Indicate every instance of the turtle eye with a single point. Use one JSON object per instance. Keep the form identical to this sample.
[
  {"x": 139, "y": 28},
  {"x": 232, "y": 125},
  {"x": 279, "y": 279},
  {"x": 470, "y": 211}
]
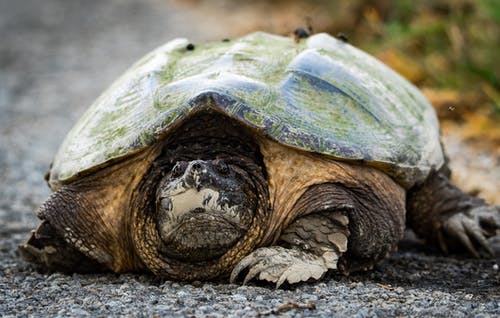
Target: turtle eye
[
  {"x": 178, "y": 169},
  {"x": 222, "y": 167}
]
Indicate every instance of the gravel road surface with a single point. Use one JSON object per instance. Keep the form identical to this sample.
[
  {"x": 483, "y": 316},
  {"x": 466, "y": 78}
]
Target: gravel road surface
[{"x": 56, "y": 56}]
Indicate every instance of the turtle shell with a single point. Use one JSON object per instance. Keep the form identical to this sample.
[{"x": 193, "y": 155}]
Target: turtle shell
[{"x": 320, "y": 95}]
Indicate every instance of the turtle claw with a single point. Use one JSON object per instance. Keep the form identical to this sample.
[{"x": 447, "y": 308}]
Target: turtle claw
[
  {"x": 259, "y": 257},
  {"x": 471, "y": 229},
  {"x": 277, "y": 264}
]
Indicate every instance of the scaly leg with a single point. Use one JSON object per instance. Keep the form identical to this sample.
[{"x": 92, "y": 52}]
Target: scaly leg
[
  {"x": 444, "y": 215},
  {"x": 307, "y": 249},
  {"x": 336, "y": 227}
]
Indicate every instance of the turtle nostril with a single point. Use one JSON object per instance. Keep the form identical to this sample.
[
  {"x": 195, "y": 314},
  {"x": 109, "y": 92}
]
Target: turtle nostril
[{"x": 196, "y": 166}]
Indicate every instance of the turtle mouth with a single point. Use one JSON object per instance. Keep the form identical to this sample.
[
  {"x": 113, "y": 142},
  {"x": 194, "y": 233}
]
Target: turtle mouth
[
  {"x": 203, "y": 217},
  {"x": 200, "y": 235}
]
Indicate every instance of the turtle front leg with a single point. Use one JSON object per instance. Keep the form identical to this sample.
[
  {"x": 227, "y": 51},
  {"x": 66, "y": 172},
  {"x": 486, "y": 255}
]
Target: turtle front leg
[
  {"x": 337, "y": 227},
  {"x": 307, "y": 249},
  {"x": 444, "y": 215}
]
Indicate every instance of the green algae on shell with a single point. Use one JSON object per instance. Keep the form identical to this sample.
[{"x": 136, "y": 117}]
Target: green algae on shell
[{"x": 319, "y": 95}]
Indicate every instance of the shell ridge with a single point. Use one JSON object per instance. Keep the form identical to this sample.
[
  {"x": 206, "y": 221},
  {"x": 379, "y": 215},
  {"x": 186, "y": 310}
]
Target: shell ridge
[{"x": 338, "y": 89}]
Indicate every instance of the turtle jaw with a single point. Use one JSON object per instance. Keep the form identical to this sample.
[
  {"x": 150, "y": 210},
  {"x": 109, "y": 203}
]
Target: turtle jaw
[{"x": 203, "y": 209}]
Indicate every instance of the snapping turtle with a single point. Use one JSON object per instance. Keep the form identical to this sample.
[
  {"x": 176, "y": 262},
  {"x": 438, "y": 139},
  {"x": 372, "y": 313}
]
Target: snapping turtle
[{"x": 279, "y": 158}]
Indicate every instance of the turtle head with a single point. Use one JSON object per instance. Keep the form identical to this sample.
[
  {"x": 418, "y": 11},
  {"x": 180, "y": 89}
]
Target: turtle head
[{"x": 203, "y": 208}]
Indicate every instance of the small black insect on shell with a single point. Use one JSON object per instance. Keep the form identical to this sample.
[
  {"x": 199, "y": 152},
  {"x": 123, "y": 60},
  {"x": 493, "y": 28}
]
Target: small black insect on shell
[
  {"x": 301, "y": 33},
  {"x": 343, "y": 37},
  {"x": 190, "y": 47}
]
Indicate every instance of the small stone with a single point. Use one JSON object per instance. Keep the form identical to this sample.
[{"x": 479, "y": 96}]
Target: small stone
[
  {"x": 162, "y": 308},
  {"x": 310, "y": 297},
  {"x": 79, "y": 312},
  {"x": 399, "y": 290},
  {"x": 239, "y": 298},
  {"x": 176, "y": 285}
]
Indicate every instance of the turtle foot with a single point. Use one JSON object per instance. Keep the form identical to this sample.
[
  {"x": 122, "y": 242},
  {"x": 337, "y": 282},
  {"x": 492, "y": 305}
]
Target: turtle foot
[
  {"x": 277, "y": 264},
  {"x": 471, "y": 229}
]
